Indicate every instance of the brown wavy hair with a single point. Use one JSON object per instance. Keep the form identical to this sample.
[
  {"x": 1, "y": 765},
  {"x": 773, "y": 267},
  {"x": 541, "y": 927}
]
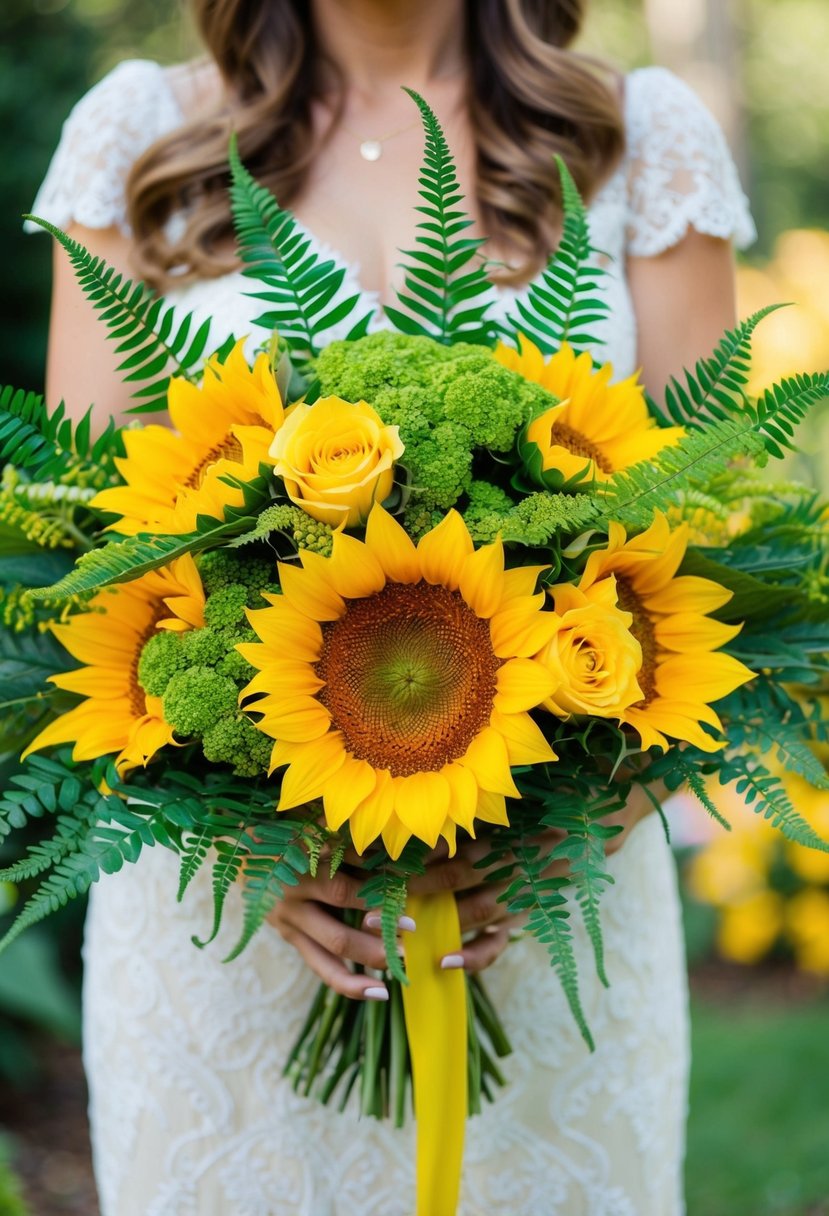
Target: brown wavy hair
[{"x": 528, "y": 97}]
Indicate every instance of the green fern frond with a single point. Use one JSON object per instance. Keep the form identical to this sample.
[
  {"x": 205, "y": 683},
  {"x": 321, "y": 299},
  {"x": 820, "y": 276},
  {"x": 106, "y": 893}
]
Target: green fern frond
[
  {"x": 548, "y": 919},
  {"x": 154, "y": 343},
  {"x": 386, "y": 889},
  {"x": 561, "y": 304},
  {"x": 715, "y": 390},
  {"x": 195, "y": 847},
  {"x": 70, "y": 831},
  {"x": 692, "y": 776},
  {"x": 48, "y": 445},
  {"x": 632, "y": 495},
  {"x": 278, "y": 858},
  {"x": 231, "y": 856},
  {"x": 766, "y": 795},
  {"x": 443, "y": 296},
  {"x": 121, "y": 561},
  {"x": 781, "y": 408},
  {"x": 300, "y": 285}
]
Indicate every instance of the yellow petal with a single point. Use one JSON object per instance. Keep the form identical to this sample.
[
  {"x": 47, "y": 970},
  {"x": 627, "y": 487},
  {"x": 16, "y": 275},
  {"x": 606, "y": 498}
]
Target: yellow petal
[
  {"x": 463, "y": 795},
  {"x": 492, "y": 808},
  {"x": 520, "y": 630},
  {"x": 487, "y": 759},
  {"x": 687, "y": 593},
  {"x": 688, "y": 631},
  {"x": 294, "y": 719},
  {"x": 481, "y": 580},
  {"x": 524, "y": 738},
  {"x": 310, "y": 592},
  {"x": 355, "y": 571},
  {"x": 523, "y": 684},
  {"x": 289, "y": 633},
  {"x": 443, "y": 551},
  {"x": 701, "y": 677},
  {"x": 310, "y": 768},
  {"x": 355, "y": 781},
  {"x": 521, "y": 581},
  {"x": 395, "y": 835},
  {"x": 369, "y": 819},
  {"x": 449, "y": 832},
  {"x": 421, "y": 802},
  {"x": 393, "y": 547}
]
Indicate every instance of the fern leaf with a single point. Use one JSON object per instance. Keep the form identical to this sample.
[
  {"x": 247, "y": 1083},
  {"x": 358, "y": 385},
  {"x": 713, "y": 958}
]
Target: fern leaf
[
  {"x": 548, "y": 919},
  {"x": 766, "y": 795},
  {"x": 47, "y": 445},
  {"x": 156, "y": 345},
  {"x": 231, "y": 856},
  {"x": 632, "y": 495},
  {"x": 121, "y": 561},
  {"x": 193, "y": 856},
  {"x": 300, "y": 285},
  {"x": 446, "y": 293},
  {"x": 783, "y": 407},
  {"x": 278, "y": 858},
  {"x": 715, "y": 390},
  {"x": 386, "y": 890},
  {"x": 562, "y": 304}
]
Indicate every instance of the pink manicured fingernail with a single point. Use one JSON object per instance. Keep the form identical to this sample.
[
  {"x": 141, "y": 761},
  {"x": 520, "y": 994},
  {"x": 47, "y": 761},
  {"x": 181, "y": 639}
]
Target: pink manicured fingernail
[
  {"x": 451, "y": 962},
  {"x": 373, "y": 921},
  {"x": 376, "y": 994}
]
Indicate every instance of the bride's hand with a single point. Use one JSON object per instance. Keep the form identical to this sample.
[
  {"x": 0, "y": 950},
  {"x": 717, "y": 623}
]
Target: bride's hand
[
  {"x": 478, "y": 906},
  {"x": 304, "y": 918}
]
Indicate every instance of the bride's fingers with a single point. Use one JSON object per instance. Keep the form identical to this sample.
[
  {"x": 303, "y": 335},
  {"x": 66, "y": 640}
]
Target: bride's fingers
[
  {"x": 481, "y": 952},
  {"x": 457, "y": 873},
  {"x": 332, "y": 970},
  {"x": 341, "y": 891},
  {"x": 336, "y": 937}
]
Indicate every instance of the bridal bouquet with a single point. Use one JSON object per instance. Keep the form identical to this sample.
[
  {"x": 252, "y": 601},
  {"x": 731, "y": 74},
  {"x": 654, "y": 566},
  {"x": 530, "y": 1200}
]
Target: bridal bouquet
[{"x": 364, "y": 594}]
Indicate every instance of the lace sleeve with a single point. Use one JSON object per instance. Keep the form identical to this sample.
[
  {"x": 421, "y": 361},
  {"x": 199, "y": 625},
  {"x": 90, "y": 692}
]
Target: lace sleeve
[
  {"x": 680, "y": 171},
  {"x": 108, "y": 129}
]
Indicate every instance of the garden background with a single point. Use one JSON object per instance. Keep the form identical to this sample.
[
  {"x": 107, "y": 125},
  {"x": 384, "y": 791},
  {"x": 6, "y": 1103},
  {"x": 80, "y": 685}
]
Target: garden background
[{"x": 759, "y": 1125}]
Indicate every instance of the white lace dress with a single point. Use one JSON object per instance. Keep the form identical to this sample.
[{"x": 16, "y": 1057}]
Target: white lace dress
[{"x": 190, "y": 1114}]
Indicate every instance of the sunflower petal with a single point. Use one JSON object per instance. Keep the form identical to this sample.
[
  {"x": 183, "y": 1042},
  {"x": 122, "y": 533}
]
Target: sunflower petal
[
  {"x": 443, "y": 551},
  {"x": 310, "y": 592},
  {"x": 393, "y": 547},
  {"x": 523, "y": 684},
  {"x": 369, "y": 819},
  {"x": 421, "y": 802},
  {"x": 309, "y": 769},
  {"x": 355, "y": 782},
  {"x": 487, "y": 759}
]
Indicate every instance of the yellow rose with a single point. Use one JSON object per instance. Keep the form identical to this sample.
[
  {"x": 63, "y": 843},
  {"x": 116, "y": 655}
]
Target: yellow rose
[
  {"x": 593, "y": 655},
  {"x": 336, "y": 459}
]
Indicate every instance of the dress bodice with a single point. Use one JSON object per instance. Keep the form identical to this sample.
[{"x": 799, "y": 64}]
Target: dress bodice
[{"x": 677, "y": 172}]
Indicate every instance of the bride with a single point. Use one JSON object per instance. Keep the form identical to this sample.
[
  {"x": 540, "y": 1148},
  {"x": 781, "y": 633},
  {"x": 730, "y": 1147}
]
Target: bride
[{"x": 190, "y": 1114}]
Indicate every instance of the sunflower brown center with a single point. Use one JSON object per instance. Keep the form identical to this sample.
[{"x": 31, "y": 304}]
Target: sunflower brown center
[
  {"x": 643, "y": 630},
  {"x": 410, "y": 677},
  {"x": 566, "y": 437},
  {"x": 229, "y": 449},
  {"x": 137, "y": 695}
]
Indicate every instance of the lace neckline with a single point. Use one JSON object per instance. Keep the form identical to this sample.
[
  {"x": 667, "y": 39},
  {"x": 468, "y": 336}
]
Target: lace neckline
[{"x": 500, "y": 294}]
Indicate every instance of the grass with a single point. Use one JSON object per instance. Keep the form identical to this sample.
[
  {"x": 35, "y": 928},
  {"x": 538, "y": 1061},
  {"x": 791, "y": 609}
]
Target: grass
[{"x": 758, "y": 1139}]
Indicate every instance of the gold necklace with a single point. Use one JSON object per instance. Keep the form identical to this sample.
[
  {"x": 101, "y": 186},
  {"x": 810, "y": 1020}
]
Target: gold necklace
[{"x": 372, "y": 149}]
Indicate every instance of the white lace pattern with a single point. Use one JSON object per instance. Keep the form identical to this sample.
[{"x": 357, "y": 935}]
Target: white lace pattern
[{"x": 190, "y": 1114}]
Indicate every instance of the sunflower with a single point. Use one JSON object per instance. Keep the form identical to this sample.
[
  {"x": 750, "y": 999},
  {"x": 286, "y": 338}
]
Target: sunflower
[
  {"x": 222, "y": 428},
  {"x": 397, "y": 679},
  {"x": 116, "y": 714},
  {"x": 681, "y": 672},
  {"x": 597, "y": 428}
]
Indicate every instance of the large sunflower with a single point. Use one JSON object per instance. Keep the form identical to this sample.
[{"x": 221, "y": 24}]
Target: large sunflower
[
  {"x": 598, "y": 427},
  {"x": 396, "y": 680},
  {"x": 116, "y": 714},
  {"x": 681, "y": 672},
  {"x": 222, "y": 428}
]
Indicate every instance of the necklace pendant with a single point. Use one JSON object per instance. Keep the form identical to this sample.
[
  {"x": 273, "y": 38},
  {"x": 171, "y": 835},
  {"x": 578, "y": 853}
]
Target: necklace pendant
[{"x": 371, "y": 149}]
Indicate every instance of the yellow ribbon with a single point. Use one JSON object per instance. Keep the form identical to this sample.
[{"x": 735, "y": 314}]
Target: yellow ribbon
[{"x": 434, "y": 1002}]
